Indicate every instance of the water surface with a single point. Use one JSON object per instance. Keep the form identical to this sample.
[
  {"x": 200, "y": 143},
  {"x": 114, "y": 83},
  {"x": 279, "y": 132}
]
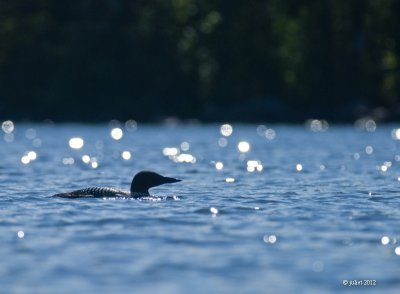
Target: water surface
[{"x": 300, "y": 211}]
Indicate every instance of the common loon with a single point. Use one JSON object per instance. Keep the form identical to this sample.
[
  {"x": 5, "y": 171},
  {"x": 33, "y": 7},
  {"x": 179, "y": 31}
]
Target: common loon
[{"x": 140, "y": 186}]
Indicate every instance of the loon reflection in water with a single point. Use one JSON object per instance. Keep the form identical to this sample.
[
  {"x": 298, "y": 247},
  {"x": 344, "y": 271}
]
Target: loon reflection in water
[{"x": 140, "y": 186}]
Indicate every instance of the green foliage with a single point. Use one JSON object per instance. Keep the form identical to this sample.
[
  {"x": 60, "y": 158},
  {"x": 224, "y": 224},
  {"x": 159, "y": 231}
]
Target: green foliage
[{"x": 212, "y": 59}]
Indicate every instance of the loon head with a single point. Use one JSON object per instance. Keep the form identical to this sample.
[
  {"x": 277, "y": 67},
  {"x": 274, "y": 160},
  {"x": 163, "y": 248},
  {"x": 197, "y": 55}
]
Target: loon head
[{"x": 145, "y": 180}]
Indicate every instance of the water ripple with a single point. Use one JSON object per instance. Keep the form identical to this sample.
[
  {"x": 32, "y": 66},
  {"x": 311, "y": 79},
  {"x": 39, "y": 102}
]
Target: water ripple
[{"x": 281, "y": 227}]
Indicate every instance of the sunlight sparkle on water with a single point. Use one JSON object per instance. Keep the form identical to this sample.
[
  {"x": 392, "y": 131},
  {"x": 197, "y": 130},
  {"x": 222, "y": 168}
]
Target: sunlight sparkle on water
[
  {"x": 21, "y": 234},
  {"x": 299, "y": 167},
  {"x": 370, "y": 125},
  {"x": 230, "y": 180},
  {"x": 317, "y": 125},
  {"x": 369, "y": 150},
  {"x": 226, "y": 130},
  {"x": 25, "y": 159},
  {"x": 76, "y": 143},
  {"x": 8, "y": 126},
  {"x": 385, "y": 166},
  {"x": 222, "y": 142},
  {"x": 68, "y": 161},
  {"x": 396, "y": 134},
  {"x": 185, "y": 157},
  {"x": 254, "y": 165},
  {"x": 170, "y": 151},
  {"x": 365, "y": 124},
  {"x": 219, "y": 165},
  {"x": 126, "y": 155},
  {"x": 174, "y": 154},
  {"x": 397, "y": 250},
  {"x": 385, "y": 240},
  {"x": 243, "y": 146},
  {"x": 185, "y": 146},
  {"x": 86, "y": 158},
  {"x": 32, "y": 155},
  {"x": 270, "y": 239},
  {"x": 270, "y": 134},
  {"x": 117, "y": 133},
  {"x": 213, "y": 210},
  {"x": 131, "y": 125},
  {"x": 28, "y": 157}
]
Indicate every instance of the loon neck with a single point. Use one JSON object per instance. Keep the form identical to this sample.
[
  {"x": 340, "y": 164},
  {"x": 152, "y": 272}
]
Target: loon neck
[
  {"x": 143, "y": 192},
  {"x": 139, "y": 194}
]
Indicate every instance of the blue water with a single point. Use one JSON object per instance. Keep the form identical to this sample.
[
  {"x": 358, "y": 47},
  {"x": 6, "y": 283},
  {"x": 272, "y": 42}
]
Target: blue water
[{"x": 323, "y": 208}]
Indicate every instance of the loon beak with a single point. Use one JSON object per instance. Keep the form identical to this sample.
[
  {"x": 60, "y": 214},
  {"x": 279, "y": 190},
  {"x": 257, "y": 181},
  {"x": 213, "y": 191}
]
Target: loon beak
[{"x": 170, "y": 180}]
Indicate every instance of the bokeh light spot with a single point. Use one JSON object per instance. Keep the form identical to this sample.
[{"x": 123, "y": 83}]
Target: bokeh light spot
[
  {"x": 68, "y": 161},
  {"x": 126, "y": 155},
  {"x": 25, "y": 159},
  {"x": 396, "y": 134},
  {"x": 76, "y": 143},
  {"x": 270, "y": 239},
  {"x": 222, "y": 142},
  {"x": 219, "y": 165},
  {"x": 243, "y": 146},
  {"x": 213, "y": 210},
  {"x": 131, "y": 125},
  {"x": 270, "y": 134},
  {"x": 185, "y": 157},
  {"x": 369, "y": 150},
  {"x": 317, "y": 125},
  {"x": 32, "y": 155},
  {"x": 170, "y": 151},
  {"x": 185, "y": 146},
  {"x": 117, "y": 133},
  {"x": 86, "y": 158},
  {"x": 385, "y": 240},
  {"x": 254, "y": 165},
  {"x": 226, "y": 130},
  {"x": 7, "y": 126}
]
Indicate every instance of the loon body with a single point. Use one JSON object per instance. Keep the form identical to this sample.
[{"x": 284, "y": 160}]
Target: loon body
[{"x": 140, "y": 186}]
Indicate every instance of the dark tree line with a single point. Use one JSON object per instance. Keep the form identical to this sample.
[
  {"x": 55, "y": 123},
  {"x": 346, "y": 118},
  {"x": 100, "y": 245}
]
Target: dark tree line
[{"x": 268, "y": 60}]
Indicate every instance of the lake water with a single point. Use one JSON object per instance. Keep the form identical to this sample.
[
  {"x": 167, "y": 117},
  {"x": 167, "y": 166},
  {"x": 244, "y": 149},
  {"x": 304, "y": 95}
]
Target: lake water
[{"x": 300, "y": 211}]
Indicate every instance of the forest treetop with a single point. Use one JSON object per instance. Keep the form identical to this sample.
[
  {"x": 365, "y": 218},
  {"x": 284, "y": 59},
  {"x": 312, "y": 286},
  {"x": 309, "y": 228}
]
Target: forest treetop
[{"x": 213, "y": 59}]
